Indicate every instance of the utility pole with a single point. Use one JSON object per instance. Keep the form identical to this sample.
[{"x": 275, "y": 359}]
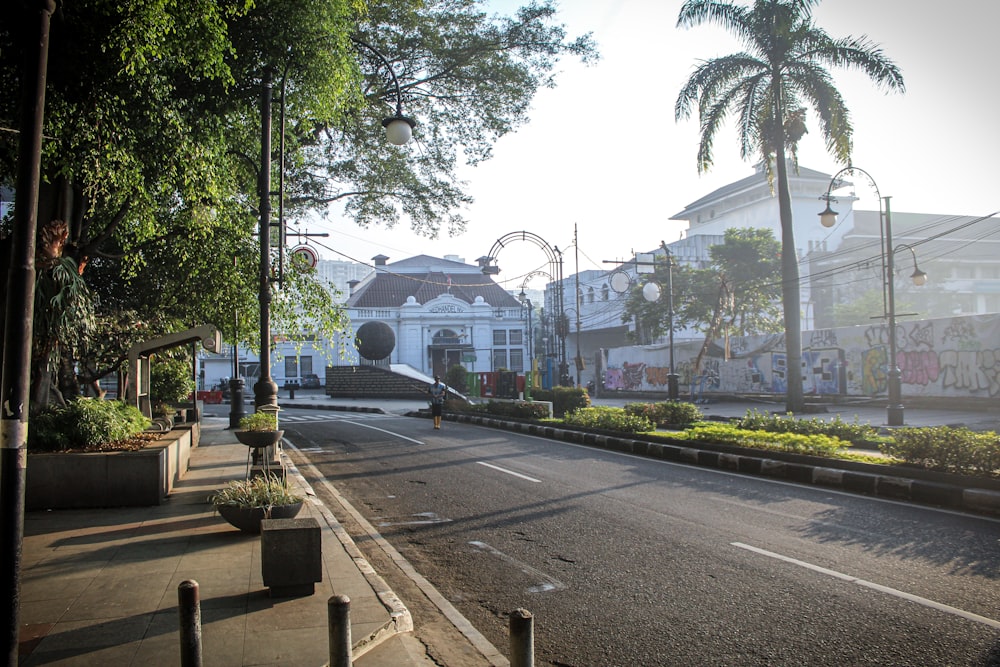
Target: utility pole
[
  {"x": 579, "y": 351},
  {"x": 14, "y": 390}
]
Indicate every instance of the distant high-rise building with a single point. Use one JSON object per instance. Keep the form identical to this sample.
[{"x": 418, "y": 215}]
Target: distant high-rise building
[{"x": 338, "y": 273}]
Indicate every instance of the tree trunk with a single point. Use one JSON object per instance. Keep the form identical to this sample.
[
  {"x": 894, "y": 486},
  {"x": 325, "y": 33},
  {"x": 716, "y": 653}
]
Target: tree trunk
[{"x": 790, "y": 293}]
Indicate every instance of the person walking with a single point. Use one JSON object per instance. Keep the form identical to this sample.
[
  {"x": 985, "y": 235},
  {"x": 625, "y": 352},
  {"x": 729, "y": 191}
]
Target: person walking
[{"x": 438, "y": 390}]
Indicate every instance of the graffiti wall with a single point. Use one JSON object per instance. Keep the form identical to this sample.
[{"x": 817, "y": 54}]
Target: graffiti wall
[{"x": 958, "y": 357}]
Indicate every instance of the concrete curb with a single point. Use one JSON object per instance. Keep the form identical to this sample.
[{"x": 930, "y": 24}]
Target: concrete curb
[
  {"x": 879, "y": 483},
  {"x": 400, "y": 620}
]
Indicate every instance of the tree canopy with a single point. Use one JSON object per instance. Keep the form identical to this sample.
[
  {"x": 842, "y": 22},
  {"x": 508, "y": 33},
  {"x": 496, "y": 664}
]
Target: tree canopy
[
  {"x": 153, "y": 135},
  {"x": 738, "y": 291}
]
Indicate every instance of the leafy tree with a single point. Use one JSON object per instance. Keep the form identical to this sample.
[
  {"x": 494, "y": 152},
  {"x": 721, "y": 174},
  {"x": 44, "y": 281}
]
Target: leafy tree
[
  {"x": 153, "y": 141},
  {"x": 738, "y": 291},
  {"x": 767, "y": 87},
  {"x": 865, "y": 308}
]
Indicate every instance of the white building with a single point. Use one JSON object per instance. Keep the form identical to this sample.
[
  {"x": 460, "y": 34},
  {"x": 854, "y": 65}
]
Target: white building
[
  {"x": 442, "y": 312},
  {"x": 749, "y": 202}
]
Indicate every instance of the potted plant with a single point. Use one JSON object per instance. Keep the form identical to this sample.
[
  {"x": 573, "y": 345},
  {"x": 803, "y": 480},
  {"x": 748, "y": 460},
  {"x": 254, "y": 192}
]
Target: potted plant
[
  {"x": 259, "y": 430},
  {"x": 247, "y": 502}
]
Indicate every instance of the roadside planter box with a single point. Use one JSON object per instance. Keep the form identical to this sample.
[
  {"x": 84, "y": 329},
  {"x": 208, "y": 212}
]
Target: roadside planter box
[{"x": 58, "y": 480}]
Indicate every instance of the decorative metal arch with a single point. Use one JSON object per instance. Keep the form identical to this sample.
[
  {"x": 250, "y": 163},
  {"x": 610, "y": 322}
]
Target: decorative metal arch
[{"x": 555, "y": 273}]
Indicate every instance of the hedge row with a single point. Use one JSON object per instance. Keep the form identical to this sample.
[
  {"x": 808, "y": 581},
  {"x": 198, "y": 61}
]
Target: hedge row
[
  {"x": 609, "y": 419},
  {"x": 667, "y": 414},
  {"x": 855, "y": 432},
  {"x": 956, "y": 450},
  {"x": 798, "y": 443}
]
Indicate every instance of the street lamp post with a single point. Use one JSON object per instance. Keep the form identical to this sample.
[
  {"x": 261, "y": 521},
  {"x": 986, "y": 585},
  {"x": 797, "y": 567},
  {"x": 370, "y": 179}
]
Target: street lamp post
[
  {"x": 828, "y": 218},
  {"x": 399, "y": 129},
  {"x": 672, "y": 384}
]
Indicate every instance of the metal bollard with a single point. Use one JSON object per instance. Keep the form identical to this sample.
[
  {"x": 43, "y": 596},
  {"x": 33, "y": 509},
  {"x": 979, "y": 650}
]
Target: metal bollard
[
  {"x": 522, "y": 639},
  {"x": 236, "y": 408},
  {"x": 189, "y": 609},
  {"x": 339, "y": 627}
]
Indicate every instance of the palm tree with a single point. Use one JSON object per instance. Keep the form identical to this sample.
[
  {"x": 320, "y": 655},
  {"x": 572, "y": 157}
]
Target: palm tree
[{"x": 767, "y": 87}]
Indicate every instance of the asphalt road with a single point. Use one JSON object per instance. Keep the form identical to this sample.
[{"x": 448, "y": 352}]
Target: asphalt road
[{"x": 629, "y": 561}]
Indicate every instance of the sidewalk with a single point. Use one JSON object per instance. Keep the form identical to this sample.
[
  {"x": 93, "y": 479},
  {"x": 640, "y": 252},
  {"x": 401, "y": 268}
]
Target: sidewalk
[{"x": 99, "y": 587}]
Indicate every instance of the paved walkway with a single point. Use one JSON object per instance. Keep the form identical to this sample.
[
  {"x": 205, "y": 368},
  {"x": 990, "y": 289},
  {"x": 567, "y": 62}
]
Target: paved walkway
[{"x": 99, "y": 587}]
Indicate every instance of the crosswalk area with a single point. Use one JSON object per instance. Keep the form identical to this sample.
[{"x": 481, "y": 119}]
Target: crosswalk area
[{"x": 330, "y": 416}]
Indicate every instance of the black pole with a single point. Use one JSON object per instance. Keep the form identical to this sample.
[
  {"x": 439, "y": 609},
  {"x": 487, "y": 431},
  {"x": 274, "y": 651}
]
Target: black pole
[
  {"x": 236, "y": 408},
  {"x": 563, "y": 323},
  {"x": 672, "y": 385},
  {"x": 265, "y": 391},
  {"x": 15, "y": 388},
  {"x": 894, "y": 411}
]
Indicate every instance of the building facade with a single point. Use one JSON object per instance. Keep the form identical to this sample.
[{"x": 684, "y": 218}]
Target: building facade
[{"x": 442, "y": 312}]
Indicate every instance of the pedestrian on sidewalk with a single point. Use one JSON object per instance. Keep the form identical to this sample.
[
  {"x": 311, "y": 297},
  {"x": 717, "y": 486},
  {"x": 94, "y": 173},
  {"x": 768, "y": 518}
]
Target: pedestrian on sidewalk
[{"x": 437, "y": 392}]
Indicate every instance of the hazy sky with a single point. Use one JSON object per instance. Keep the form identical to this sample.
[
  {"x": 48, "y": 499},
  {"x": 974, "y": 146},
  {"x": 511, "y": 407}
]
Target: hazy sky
[{"x": 603, "y": 151}]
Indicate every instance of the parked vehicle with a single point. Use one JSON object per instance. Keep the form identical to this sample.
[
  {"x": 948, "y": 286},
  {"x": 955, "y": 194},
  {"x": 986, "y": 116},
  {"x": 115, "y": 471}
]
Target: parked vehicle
[{"x": 310, "y": 381}]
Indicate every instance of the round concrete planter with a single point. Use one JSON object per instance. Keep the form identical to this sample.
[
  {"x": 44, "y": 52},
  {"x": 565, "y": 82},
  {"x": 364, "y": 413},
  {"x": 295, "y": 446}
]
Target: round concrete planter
[{"x": 248, "y": 519}]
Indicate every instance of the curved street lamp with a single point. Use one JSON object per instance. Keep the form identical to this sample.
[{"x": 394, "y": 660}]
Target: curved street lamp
[
  {"x": 828, "y": 218},
  {"x": 651, "y": 292},
  {"x": 398, "y": 131}
]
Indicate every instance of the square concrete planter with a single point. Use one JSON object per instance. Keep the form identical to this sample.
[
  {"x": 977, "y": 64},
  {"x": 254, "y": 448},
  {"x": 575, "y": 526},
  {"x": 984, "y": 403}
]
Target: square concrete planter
[{"x": 110, "y": 479}]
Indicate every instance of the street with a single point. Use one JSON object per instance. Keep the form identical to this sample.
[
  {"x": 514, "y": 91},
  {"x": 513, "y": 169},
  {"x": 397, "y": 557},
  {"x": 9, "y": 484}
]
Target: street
[{"x": 629, "y": 561}]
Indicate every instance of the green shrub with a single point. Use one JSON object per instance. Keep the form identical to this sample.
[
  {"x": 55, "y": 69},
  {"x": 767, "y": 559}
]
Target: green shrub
[
  {"x": 563, "y": 399},
  {"x": 259, "y": 421},
  {"x": 518, "y": 409},
  {"x": 854, "y": 432},
  {"x": 457, "y": 378},
  {"x": 461, "y": 405},
  {"x": 608, "y": 419},
  {"x": 816, "y": 445},
  {"x": 170, "y": 381},
  {"x": 956, "y": 450},
  {"x": 667, "y": 413},
  {"x": 84, "y": 423},
  {"x": 261, "y": 491}
]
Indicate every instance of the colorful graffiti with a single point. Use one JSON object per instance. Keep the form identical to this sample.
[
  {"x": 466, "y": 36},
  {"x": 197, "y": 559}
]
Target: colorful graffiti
[{"x": 949, "y": 357}]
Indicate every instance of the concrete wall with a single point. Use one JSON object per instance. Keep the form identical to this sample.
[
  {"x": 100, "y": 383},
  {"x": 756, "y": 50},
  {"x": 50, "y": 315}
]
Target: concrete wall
[{"x": 956, "y": 357}]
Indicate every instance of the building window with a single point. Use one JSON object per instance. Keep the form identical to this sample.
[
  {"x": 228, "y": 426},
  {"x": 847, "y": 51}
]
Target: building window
[
  {"x": 499, "y": 359},
  {"x": 590, "y": 294},
  {"x": 291, "y": 367},
  {"x": 499, "y": 336},
  {"x": 517, "y": 360},
  {"x": 605, "y": 292},
  {"x": 306, "y": 365},
  {"x": 446, "y": 337},
  {"x": 516, "y": 337}
]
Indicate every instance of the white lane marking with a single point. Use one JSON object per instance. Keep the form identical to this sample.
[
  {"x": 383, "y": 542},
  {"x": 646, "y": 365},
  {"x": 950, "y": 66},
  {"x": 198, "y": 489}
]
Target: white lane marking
[
  {"x": 426, "y": 518},
  {"x": 353, "y": 416},
  {"x": 546, "y": 583},
  {"x": 968, "y": 615},
  {"x": 483, "y": 645},
  {"x": 382, "y": 430},
  {"x": 509, "y": 472}
]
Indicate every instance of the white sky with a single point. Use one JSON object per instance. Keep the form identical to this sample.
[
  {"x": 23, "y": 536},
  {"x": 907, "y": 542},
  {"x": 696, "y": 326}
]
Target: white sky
[{"x": 603, "y": 151}]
